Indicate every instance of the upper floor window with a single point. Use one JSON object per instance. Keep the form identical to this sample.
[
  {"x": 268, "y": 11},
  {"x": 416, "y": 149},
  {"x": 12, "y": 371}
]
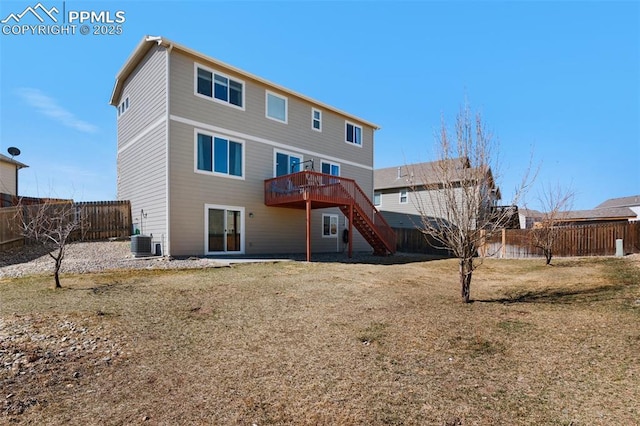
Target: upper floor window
[
  {"x": 219, "y": 155},
  {"x": 404, "y": 196},
  {"x": 123, "y": 107},
  {"x": 276, "y": 107},
  {"x": 377, "y": 198},
  {"x": 353, "y": 134},
  {"x": 316, "y": 119},
  {"x": 219, "y": 87}
]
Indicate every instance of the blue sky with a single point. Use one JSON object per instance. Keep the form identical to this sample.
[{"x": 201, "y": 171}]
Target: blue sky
[{"x": 561, "y": 79}]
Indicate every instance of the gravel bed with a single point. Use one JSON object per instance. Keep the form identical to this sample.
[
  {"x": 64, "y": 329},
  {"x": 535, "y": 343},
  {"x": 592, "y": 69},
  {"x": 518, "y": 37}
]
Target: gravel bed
[
  {"x": 85, "y": 257},
  {"x": 96, "y": 256}
]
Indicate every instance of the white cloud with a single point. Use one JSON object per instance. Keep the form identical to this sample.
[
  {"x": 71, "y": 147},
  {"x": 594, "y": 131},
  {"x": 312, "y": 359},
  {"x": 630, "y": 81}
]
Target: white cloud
[{"x": 49, "y": 107}]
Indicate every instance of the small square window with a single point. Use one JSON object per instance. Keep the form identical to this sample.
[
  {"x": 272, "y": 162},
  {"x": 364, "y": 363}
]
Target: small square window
[
  {"x": 276, "y": 107},
  {"x": 404, "y": 196},
  {"x": 377, "y": 198}
]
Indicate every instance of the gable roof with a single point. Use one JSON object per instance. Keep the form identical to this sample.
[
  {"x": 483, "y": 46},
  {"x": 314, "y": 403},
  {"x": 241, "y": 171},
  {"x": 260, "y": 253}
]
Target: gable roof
[
  {"x": 427, "y": 173},
  {"x": 632, "y": 201},
  {"x": 6, "y": 159},
  {"x": 148, "y": 42},
  {"x": 409, "y": 174}
]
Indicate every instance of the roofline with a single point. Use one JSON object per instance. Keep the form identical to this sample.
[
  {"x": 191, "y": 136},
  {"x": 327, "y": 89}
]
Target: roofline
[
  {"x": 398, "y": 183},
  {"x": 12, "y": 161},
  {"x": 145, "y": 44},
  {"x": 596, "y": 218}
]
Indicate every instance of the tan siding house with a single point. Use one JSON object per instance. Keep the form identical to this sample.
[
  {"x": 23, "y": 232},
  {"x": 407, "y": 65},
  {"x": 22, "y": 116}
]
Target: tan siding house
[
  {"x": 197, "y": 138},
  {"x": 9, "y": 175}
]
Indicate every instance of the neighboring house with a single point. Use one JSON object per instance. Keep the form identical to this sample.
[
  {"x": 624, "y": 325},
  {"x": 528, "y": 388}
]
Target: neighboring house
[
  {"x": 615, "y": 210},
  {"x": 9, "y": 175},
  {"x": 200, "y": 141},
  {"x": 601, "y": 215},
  {"x": 402, "y": 194}
]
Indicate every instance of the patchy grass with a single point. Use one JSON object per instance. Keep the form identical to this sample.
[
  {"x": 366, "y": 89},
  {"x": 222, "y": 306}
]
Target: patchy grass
[{"x": 326, "y": 343}]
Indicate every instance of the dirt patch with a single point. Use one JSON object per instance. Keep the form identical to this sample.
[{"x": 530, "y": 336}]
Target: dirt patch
[{"x": 43, "y": 357}]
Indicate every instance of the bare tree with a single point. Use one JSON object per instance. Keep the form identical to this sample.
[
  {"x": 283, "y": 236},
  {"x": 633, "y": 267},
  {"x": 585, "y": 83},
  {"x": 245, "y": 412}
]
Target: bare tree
[
  {"x": 51, "y": 224},
  {"x": 555, "y": 201},
  {"x": 456, "y": 196}
]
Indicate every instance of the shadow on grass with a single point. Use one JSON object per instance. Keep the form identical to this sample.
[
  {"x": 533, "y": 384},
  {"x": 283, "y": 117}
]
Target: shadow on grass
[
  {"x": 342, "y": 257},
  {"x": 561, "y": 295}
]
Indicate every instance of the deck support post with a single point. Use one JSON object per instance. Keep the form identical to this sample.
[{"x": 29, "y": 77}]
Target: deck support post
[
  {"x": 350, "y": 230},
  {"x": 308, "y": 203}
]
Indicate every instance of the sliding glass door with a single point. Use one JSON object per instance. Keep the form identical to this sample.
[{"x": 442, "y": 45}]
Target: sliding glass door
[{"x": 224, "y": 229}]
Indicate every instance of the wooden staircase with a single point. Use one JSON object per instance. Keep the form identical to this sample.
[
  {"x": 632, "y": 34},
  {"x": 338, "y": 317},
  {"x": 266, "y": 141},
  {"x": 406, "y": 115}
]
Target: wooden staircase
[
  {"x": 370, "y": 233},
  {"x": 321, "y": 190}
]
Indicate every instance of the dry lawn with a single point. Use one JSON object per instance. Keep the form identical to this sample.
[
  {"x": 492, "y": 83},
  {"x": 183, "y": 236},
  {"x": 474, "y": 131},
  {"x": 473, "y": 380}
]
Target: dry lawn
[{"x": 326, "y": 344}]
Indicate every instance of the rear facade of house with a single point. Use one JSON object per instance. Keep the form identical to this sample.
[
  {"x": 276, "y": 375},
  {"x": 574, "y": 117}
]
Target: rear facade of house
[{"x": 197, "y": 139}]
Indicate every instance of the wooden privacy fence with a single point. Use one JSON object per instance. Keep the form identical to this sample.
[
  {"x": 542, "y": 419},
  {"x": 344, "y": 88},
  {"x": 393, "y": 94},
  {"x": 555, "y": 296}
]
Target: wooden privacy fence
[
  {"x": 103, "y": 219},
  {"x": 412, "y": 240},
  {"x": 583, "y": 240},
  {"x": 9, "y": 230}
]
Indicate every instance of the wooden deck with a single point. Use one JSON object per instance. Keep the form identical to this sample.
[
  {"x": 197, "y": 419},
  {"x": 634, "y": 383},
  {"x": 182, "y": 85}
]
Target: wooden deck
[{"x": 312, "y": 190}]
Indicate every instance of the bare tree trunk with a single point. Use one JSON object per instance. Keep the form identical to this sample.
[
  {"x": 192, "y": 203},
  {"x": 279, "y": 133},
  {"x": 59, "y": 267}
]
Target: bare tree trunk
[
  {"x": 466, "y": 270},
  {"x": 58, "y": 264},
  {"x": 548, "y": 253},
  {"x": 56, "y": 276}
]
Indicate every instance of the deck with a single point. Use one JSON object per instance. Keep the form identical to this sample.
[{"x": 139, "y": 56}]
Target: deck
[{"x": 312, "y": 190}]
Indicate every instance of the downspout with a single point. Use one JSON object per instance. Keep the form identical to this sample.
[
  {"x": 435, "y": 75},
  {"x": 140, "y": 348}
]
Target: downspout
[{"x": 167, "y": 153}]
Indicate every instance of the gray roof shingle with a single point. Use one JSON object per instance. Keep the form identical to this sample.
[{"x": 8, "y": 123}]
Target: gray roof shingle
[
  {"x": 418, "y": 173},
  {"x": 631, "y": 201}
]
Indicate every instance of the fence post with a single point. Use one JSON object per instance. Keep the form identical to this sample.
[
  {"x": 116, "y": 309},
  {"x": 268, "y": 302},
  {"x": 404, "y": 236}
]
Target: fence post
[
  {"x": 483, "y": 243},
  {"x": 503, "y": 249}
]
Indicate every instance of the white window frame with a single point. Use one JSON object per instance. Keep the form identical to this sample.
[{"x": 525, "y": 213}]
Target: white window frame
[
  {"x": 287, "y": 153},
  {"x": 213, "y": 89},
  {"x": 266, "y": 106},
  {"x": 349, "y": 123},
  {"x": 123, "y": 107},
  {"x": 331, "y": 217},
  {"x": 196, "y": 132},
  {"x": 331, "y": 163},
  {"x": 319, "y": 120},
  {"x": 405, "y": 196},
  {"x": 379, "y": 194}
]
